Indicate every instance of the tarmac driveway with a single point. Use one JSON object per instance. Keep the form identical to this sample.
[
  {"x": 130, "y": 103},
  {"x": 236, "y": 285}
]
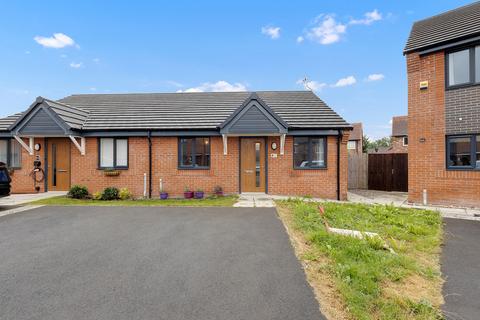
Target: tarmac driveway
[
  {"x": 150, "y": 263},
  {"x": 460, "y": 268}
]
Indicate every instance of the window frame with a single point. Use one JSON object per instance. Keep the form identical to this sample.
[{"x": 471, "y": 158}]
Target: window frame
[
  {"x": 473, "y": 152},
  {"x": 9, "y": 154},
  {"x": 115, "y": 167},
  {"x": 472, "y": 80},
  {"x": 194, "y": 146},
  {"x": 354, "y": 144},
  {"x": 403, "y": 141},
  {"x": 309, "y": 153}
]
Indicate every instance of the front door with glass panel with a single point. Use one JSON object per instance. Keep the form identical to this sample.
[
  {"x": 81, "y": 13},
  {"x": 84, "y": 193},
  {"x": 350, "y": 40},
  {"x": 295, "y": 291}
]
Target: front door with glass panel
[
  {"x": 58, "y": 164},
  {"x": 252, "y": 164}
]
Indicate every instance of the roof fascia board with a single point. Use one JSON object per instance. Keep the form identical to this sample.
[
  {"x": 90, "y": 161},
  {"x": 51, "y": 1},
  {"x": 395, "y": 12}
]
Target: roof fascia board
[
  {"x": 445, "y": 46},
  {"x": 154, "y": 133}
]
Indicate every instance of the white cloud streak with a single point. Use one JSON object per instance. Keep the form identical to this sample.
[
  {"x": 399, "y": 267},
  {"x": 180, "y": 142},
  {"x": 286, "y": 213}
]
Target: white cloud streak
[
  {"x": 312, "y": 85},
  {"x": 57, "y": 41},
  {"x": 326, "y": 30},
  {"x": 76, "y": 65},
  {"x": 368, "y": 18},
  {"x": 219, "y": 86},
  {"x": 375, "y": 77},
  {"x": 272, "y": 32},
  {"x": 344, "y": 82}
]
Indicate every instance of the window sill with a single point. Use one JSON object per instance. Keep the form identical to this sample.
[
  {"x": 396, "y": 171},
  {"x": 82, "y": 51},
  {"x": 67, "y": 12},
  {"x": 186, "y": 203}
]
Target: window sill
[
  {"x": 316, "y": 168},
  {"x": 462, "y": 86},
  {"x": 464, "y": 169},
  {"x": 193, "y": 168},
  {"x": 113, "y": 168}
]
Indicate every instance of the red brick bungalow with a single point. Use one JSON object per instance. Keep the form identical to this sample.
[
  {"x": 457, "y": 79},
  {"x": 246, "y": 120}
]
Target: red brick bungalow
[
  {"x": 285, "y": 143},
  {"x": 443, "y": 67}
]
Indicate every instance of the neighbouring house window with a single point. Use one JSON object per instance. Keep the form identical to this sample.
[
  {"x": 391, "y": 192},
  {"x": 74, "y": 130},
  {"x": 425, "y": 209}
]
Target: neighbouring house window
[
  {"x": 194, "y": 153},
  {"x": 11, "y": 153},
  {"x": 459, "y": 67},
  {"x": 4, "y": 151},
  {"x": 463, "y": 152},
  {"x": 113, "y": 153},
  {"x": 309, "y": 152},
  {"x": 405, "y": 141},
  {"x": 352, "y": 145}
]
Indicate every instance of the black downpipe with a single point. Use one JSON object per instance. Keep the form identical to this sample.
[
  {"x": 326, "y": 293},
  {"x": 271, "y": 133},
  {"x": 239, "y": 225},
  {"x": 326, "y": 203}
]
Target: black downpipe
[
  {"x": 149, "y": 164},
  {"x": 339, "y": 140}
]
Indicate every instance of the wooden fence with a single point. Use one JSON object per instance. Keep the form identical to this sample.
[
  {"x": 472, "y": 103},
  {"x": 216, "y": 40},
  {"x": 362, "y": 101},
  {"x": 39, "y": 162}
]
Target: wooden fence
[
  {"x": 388, "y": 172},
  {"x": 357, "y": 171}
]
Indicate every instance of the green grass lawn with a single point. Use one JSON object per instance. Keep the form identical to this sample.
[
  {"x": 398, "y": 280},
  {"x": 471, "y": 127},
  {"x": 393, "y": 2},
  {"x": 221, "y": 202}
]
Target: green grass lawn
[
  {"x": 372, "y": 282},
  {"x": 226, "y": 201}
]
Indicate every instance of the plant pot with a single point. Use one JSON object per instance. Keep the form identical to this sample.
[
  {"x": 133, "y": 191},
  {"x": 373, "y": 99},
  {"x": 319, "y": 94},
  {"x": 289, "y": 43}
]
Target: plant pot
[
  {"x": 219, "y": 193},
  {"x": 199, "y": 194},
  {"x": 112, "y": 173},
  {"x": 164, "y": 195},
  {"x": 188, "y": 194}
]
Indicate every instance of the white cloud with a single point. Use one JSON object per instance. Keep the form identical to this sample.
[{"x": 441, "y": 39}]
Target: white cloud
[
  {"x": 300, "y": 39},
  {"x": 312, "y": 85},
  {"x": 326, "y": 30},
  {"x": 93, "y": 89},
  {"x": 76, "y": 65},
  {"x": 369, "y": 18},
  {"x": 272, "y": 32},
  {"x": 375, "y": 77},
  {"x": 59, "y": 40},
  {"x": 219, "y": 86},
  {"x": 348, "y": 81}
]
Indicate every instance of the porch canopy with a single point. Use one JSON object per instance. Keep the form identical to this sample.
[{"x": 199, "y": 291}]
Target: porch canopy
[
  {"x": 47, "y": 118},
  {"x": 254, "y": 118}
]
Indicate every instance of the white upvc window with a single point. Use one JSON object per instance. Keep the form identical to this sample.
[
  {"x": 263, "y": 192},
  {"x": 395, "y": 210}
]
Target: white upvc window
[{"x": 113, "y": 153}]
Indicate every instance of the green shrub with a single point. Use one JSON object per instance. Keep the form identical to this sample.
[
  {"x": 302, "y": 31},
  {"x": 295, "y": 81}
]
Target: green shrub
[
  {"x": 125, "y": 194},
  {"x": 110, "y": 193},
  {"x": 97, "y": 195},
  {"x": 78, "y": 192}
]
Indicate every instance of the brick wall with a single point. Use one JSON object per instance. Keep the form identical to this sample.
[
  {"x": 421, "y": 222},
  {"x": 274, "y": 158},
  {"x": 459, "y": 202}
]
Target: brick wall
[
  {"x": 22, "y": 182},
  {"x": 224, "y": 169},
  {"x": 462, "y": 110},
  {"x": 426, "y": 120},
  {"x": 284, "y": 180}
]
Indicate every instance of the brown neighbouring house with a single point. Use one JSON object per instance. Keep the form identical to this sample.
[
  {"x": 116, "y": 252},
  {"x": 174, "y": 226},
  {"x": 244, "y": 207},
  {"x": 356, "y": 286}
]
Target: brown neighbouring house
[
  {"x": 443, "y": 68},
  {"x": 399, "y": 135},
  {"x": 355, "y": 141},
  {"x": 275, "y": 142}
]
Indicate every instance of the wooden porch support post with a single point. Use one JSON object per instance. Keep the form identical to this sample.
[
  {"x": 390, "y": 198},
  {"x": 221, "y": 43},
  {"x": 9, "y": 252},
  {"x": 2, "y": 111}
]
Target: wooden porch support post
[
  {"x": 282, "y": 144},
  {"x": 81, "y": 146},
  {"x": 225, "y": 140},
  {"x": 29, "y": 147}
]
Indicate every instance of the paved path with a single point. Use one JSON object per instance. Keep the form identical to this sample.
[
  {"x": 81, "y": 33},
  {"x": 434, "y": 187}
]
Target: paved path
[
  {"x": 461, "y": 269},
  {"x": 23, "y": 198},
  {"x": 399, "y": 199},
  {"x": 150, "y": 263},
  {"x": 255, "y": 200}
]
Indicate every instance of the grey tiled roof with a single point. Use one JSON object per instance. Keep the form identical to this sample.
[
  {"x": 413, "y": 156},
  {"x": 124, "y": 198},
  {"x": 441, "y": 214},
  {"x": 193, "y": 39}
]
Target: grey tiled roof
[
  {"x": 400, "y": 126},
  {"x": 6, "y": 122},
  {"x": 454, "y": 25},
  {"x": 183, "y": 111},
  {"x": 74, "y": 117},
  {"x": 206, "y": 110}
]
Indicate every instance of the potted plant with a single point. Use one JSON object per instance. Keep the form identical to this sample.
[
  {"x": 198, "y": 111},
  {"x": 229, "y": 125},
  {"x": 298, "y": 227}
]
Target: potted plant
[
  {"x": 163, "y": 194},
  {"x": 187, "y": 194},
  {"x": 199, "y": 194},
  {"x": 111, "y": 172},
  {"x": 218, "y": 191}
]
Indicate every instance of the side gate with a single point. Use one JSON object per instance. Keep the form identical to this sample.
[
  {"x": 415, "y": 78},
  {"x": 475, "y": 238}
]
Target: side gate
[{"x": 388, "y": 171}]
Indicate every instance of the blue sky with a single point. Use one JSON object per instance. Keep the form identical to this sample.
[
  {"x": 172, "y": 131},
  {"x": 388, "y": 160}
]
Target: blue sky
[{"x": 351, "y": 51}]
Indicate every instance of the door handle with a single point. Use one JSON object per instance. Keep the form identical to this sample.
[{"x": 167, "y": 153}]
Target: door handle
[
  {"x": 61, "y": 170},
  {"x": 248, "y": 171}
]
